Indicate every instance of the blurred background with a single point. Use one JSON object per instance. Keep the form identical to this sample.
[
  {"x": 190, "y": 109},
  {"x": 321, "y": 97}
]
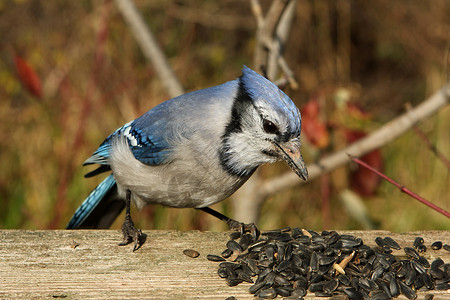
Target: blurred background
[{"x": 71, "y": 73}]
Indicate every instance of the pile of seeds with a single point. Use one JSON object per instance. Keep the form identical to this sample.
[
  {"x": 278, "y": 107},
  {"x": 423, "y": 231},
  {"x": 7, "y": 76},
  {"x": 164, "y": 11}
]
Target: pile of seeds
[{"x": 289, "y": 263}]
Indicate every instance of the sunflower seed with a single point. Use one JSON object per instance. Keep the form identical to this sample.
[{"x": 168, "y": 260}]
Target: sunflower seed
[
  {"x": 411, "y": 252},
  {"x": 212, "y": 257},
  {"x": 269, "y": 293},
  {"x": 436, "y": 245},
  {"x": 407, "y": 291},
  {"x": 418, "y": 241},
  {"x": 191, "y": 253},
  {"x": 391, "y": 243}
]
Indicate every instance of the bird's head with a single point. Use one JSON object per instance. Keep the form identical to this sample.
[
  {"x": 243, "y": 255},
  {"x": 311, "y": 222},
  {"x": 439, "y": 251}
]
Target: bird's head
[{"x": 264, "y": 127}]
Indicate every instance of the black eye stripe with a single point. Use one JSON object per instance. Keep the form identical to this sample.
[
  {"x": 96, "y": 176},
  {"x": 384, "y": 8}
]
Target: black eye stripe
[{"x": 270, "y": 127}]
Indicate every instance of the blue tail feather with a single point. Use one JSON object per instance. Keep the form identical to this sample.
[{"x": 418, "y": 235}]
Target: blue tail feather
[{"x": 92, "y": 201}]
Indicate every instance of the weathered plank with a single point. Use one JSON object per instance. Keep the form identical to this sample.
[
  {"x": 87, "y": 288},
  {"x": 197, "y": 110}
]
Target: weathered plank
[{"x": 43, "y": 264}]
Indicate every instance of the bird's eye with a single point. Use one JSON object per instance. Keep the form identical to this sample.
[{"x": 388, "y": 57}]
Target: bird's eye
[{"x": 269, "y": 127}]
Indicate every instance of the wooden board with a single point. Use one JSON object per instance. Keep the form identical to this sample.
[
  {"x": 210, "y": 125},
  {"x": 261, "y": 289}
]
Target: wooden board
[{"x": 44, "y": 264}]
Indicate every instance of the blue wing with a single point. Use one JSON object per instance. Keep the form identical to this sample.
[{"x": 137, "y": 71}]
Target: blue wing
[{"x": 147, "y": 148}]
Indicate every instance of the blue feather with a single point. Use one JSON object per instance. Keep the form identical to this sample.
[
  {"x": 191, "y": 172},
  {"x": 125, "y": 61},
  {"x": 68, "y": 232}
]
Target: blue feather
[
  {"x": 91, "y": 202},
  {"x": 148, "y": 149}
]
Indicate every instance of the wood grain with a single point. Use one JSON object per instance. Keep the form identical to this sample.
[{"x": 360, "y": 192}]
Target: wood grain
[{"x": 45, "y": 265}]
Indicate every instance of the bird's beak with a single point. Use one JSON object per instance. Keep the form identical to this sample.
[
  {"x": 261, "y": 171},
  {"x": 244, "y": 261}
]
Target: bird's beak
[{"x": 290, "y": 152}]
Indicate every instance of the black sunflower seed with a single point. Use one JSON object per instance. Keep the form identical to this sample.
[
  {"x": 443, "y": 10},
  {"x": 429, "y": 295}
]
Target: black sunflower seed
[
  {"x": 257, "y": 246},
  {"x": 283, "y": 265},
  {"x": 233, "y": 281},
  {"x": 322, "y": 294},
  {"x": 270, "y": 279},
  {"x": 418, "y": 241},
  {"x": 298, "y": 293},
  {"x": 443, "y": 286},
  {"x": 330, "y": 286},
  {"x": 437, "y": 263},
  {"x": 380, "y": 242},
  {"x": 446, "y": 247},
  {"x": 241, "y": 274},
  {"x": 245, "y": 241},
  {"x": 407, "y": 291},
  {"x": 394, "y": 289},
  {"x": 235, "y": 235},
  {"x": 436, "y": 245},
  {"x": 411, "y": 252},
  {"x": 391, "y": 243},
  {"x": 316, "y": 287},
  {"x": 417, "y": 266},
  {"x": 410, "y": 274},
  {"x": 343, "y": 279},
  {"x": 234, "y": 246},
  {"x": 256, "y": 287},
  {"x": 223, "y": 272},
  {"x": 378, "y": 295},
  {"x": 419, "y": 282},
  {"x": 226, "y": 253},
  {"x": 269, "y": 293},
  {"x": 283, "y": 291},
  {"x": 326, "y": 260},
  {"x": 428, "y": 281},
  {"x": 421, "y": 248},
  {"x": 301, "y": 282},
  {"x": 424, "y": 262},
  {"x": 378, "y": 272},
  {"x": 314, "y": 262},
  {"x": 353, "y": 294},
  {"x": 436, "y": 274},
  {"x": 212, "y": 257}
]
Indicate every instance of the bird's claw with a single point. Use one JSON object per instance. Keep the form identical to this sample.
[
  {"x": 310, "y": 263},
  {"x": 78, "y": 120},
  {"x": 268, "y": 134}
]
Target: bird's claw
[
  {"x": 130, "y": 234},
  {"x": 243, "y": 228}
]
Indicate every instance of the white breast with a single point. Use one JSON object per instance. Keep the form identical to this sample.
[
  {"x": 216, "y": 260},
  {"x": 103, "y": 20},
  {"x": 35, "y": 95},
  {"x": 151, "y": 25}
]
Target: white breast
[{"x": 193, "y": 177}]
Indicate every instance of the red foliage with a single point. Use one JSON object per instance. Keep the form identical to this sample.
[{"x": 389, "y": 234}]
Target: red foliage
[
  {"x": 28, "y": 77},
  {"x": 314, "y": 129},
  {"x": 363, "y": 181}
]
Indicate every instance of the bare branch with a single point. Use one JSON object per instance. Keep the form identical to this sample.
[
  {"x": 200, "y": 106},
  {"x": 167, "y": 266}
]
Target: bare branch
[
  {"x": 280, "y": 37},
  {"x": 431, "y": 146},
  {"x": 401, "y": 187},
  {"x": 266, "y": 30},
  {"x": 375, "y": 140},
  {"x": 150, "y": 47},
  {"x": 288, "y": 72},
  {"x": 257, "y": 12}
]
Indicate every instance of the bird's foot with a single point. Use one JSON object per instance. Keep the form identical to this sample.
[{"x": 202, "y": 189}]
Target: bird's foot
[
  {"x": 131, "y": 233},
  {"x": 243, "y": 228}
]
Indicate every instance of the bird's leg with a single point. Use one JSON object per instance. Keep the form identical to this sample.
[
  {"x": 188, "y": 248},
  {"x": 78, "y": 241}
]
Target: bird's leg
[
  {"x": 233, "y": 224},
  {"x": 130, "y": 233}
]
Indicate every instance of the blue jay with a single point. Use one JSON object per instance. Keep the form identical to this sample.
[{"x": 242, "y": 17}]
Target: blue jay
[{"x": 193, "y": 151}]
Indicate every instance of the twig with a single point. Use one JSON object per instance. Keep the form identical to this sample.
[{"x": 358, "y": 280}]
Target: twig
[
  {"x": 431, "y": 146},
  {"x": 427, "y": 141},
  {"x": 376, "y": 139},
  {"x": 267, "y": 26},
  {"x": 257, "y": 12},
  {"x": 401, "y": 187},
  {"x": 150, "y": 47},
  {"x": 288, "y": 72}
]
